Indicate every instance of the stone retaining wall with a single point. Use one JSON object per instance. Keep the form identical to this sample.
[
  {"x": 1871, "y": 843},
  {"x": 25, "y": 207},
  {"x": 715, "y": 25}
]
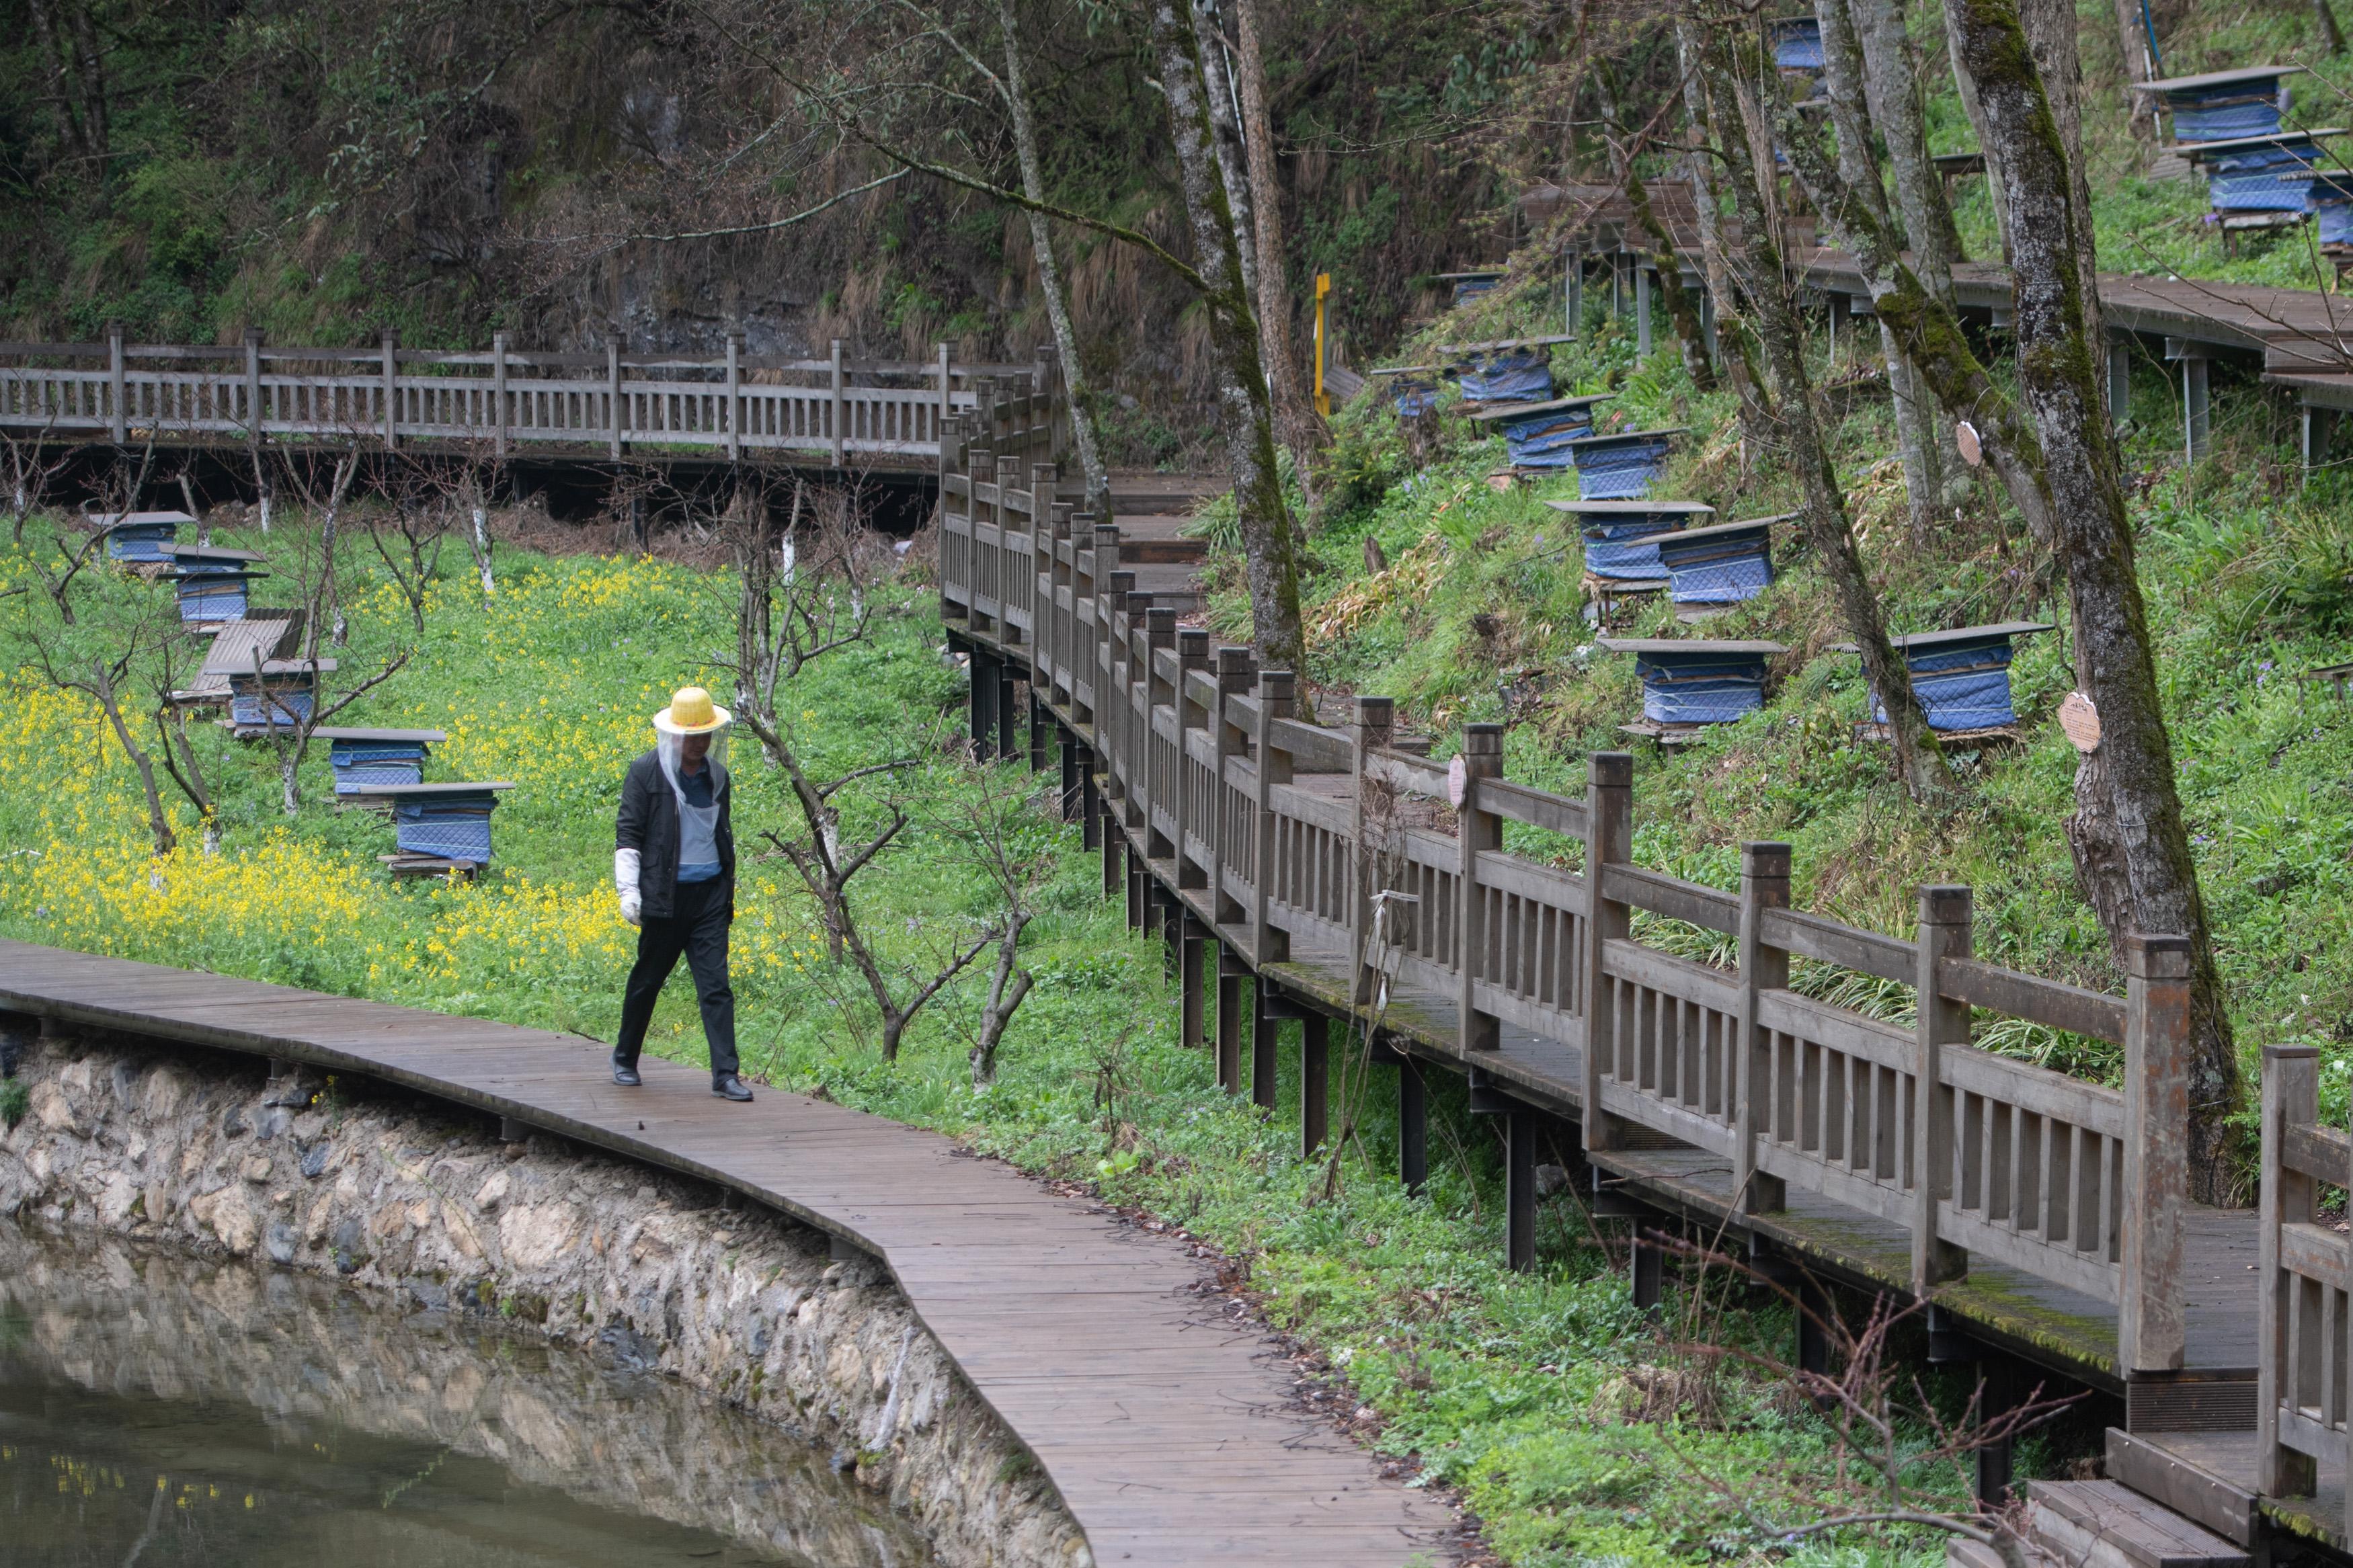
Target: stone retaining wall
[{"x": 410, "y": 1198}]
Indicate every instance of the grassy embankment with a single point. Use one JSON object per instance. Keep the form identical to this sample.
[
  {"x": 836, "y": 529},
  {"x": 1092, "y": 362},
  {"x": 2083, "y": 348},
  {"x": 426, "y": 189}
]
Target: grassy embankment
[{"x": 1492, "y": 1379}]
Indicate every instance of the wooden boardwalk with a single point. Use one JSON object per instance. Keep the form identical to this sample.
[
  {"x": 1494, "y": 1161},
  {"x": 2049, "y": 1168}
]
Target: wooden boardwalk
[{"x": 1171, "y": 1431}]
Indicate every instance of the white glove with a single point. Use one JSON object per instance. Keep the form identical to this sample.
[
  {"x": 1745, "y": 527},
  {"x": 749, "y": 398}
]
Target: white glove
[{"x": 625, "y": 882}]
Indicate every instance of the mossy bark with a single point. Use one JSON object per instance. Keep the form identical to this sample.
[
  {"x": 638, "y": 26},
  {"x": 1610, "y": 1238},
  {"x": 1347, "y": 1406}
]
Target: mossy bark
[
  {"x": 1733, "y": 349},
  {"x": 1681, "y": 309},
  {"x": 2134, "y": 808},
  {"x": 1271, "y": 561}
]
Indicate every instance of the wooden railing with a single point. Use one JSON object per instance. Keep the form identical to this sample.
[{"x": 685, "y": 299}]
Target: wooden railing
[
  {"x": 2302, "y": 1303},
  {"x": 1353, "y": 845},
  {"x": 500, "y": 400}
]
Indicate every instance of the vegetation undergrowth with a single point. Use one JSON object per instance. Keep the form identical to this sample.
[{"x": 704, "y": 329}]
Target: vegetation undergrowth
[{"x": 1529, "y": 1393}]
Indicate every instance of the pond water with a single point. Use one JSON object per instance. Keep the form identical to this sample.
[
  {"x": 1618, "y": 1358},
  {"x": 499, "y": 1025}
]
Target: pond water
[{"x": 157, "y": 1411}]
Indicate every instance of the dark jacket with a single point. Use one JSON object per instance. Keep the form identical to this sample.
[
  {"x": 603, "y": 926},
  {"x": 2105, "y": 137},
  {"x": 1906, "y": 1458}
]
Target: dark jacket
[{"x": 649, "y": 824}]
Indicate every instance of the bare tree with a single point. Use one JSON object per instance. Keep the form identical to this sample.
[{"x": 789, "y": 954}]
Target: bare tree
[
  {"x": 421, "y": 526},
  {"x": 1302, "y": 429},
  {"x": 106, "y": 676},
  {"x": 325, "y": 594},
  {"x": 802, "y": 592},
  {"x": 987, "y": 830},
  {"x": 28, "y": 476},
  {"x": 178, "y": 752}
]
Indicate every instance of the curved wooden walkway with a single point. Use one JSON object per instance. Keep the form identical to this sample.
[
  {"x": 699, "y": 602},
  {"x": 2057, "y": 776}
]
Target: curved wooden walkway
[{"x": 1171, "y": 1432}]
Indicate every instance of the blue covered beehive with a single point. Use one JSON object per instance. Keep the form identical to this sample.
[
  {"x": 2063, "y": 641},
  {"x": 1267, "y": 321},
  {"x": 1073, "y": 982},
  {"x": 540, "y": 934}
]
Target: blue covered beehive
[
  {"x": 1414, "y": 398},
  {"x": 2222, "y": 106},
  {"x": 1621, "y": 466},
  {"x": 435, "y": 825},
  {"x": 368, "y": 761},
  {"x": 282, "y": 695},
  {"x": 1511, "y": 376},
  {"x": 211, "y": 558},
  {"x": 1725, "y": 564},
  {"x": 1961, "y": 677},
  {"x": 1688, "y": 681},
  {"x": 1536, "y": 435},
  {"x": 211, "y": 598},
  {"x": 1798, "y": 54},
  {"x": 1468, "y": 285},
  {"x": 1622, "y": 537},
  {"x": 2259, "y": 174},
  {"x": 138, "y": 536},
  {"x": 2329, "y": 195}
]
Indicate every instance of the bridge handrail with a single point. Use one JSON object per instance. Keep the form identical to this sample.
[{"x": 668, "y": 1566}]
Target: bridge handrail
[
  {"x": 2302, "y": 1302},
  {"x": 1324, "y": 834}
]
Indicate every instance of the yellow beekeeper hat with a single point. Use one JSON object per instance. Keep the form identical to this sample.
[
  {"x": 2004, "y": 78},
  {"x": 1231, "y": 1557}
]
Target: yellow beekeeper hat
[{"x": 691, "y": 712}]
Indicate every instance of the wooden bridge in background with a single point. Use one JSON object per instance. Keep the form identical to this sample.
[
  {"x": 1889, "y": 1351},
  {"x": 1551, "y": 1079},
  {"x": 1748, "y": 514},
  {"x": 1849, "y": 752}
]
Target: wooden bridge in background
[
  {"x": 504, "y": 403},
  {"x": 1674, "y": 1043}
]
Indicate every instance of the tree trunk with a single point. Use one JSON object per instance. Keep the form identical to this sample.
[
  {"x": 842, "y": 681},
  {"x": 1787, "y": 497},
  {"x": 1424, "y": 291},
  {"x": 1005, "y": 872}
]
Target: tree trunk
[
  {"x": 1301, "y": 430},
  {"x": 1986, "y": 148},
  {"x": 1930, "y": 335},
  {"x": 51, "y": 48},
  {"x": 1918, "y": 760},
  {"x": 1050, "y": 277},
  {"x": 1272, "y": 565},
  {"x": 1218, "y": 95},
  {"x": 1845, "y": 74},
  {"x": 2050, "y": 32},
  {"x": 2331, "y": 36},
  {"x": 1731, "y": 337},
  {"x": 159, "y": 824},
  {"x": 2132, "y": 48},
  {"x": 1690, "y": 332},
  {"x": 2116, "y": 667}
]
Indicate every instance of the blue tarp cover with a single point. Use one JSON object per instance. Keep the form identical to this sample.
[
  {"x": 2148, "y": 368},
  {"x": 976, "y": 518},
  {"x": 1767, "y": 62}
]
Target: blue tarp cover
[
  {"x": 1414, "y": 398},
  {"x": 1611, "y": 553},
  {"x": 283, "y": 709},
  {"x": 1961, "y": 685},
  {"x": 1621, "y": 470},
  {"x": 1508, "y": 378},
  {"x": 1701, "y": 688},
  {"x": 1541, "y": 440},
  {"x": 1472, "y": 288},
  {"x": 1798, "y": 45},
  {"x": 2261, "y": 179},
  {"x": 138, "y": 540},
  {"x": 212, "y": 596},
  {"x": 360, "y": 763},
  {"x": 454, "y": 827},
  {"x": 1723, "y": 580},
  {"x": 2225, "y": 110}
]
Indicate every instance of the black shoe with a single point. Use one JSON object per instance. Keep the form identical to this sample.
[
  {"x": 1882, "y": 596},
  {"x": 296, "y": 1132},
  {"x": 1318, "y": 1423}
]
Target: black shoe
[
  {"x": 727, "y": 1086},
  {"x": 624, "y": 1073}
]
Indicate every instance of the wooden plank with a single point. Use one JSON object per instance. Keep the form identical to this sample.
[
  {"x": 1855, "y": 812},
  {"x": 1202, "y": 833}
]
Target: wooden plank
[
  {"x": 1535, "y": 807},
  {"x": 1827, "y": 940},
  {"x": 1630, "y": 960},
  {"x": 2036, "y": 1089},
  {"x": 2030, "y": 996},
  {"x": 1673, "y": 896},
  {"x": 1084, "y": 1336},
  {"x": 2324, "y": 1153}
]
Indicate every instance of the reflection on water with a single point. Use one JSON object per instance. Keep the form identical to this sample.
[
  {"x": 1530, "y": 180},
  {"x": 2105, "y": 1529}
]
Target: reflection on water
[{"x": 156, "y": 1412}]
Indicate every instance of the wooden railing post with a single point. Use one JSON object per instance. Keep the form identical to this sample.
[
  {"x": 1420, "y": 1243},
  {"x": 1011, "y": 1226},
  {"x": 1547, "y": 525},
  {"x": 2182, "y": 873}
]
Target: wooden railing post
[
  {"x": 253, "y": 415},
  {"x": 839, "y": 405},
  {"x": 1236, "y": 676},
  {"x": 1192, "y": 660},
  {"x": 498, "y": 396},
  {"x": 1159, "y": 691},
  {"x": 1376, "y": 727},
  {"x": 946, "y": 404},
  {"x": 613, "y": 398},
  {"x": 1477, "y": 830},
  {"x": 1764, "y": 885},
  {"x": 2291, "y": 1098},
  {"x": 1609, "y": 839},
  {"x": 1946, "y": 930},
  {"x": 1269, "y": 943},
  {"x": 117, "y": 386},
  {"x": 391, "y": 393},
  {"x": 734, "y": 397},
  {"x": 2156, "y": 1159}
]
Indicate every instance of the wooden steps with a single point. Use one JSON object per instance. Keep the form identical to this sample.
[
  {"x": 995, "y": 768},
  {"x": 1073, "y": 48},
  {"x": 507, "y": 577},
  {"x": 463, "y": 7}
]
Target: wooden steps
[
  {"x": 2106, "y": 1524},
  {"x": 2158, "y": 1469}
]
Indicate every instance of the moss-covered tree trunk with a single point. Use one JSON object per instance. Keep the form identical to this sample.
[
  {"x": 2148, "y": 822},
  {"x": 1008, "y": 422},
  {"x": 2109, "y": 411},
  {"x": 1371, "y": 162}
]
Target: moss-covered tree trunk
[
  {"x": 1918, "y": 760},
  {"x": 1245, "y": 412},
  {"x": 2130, "y": 816},
  {"x": 1691, "y": 332},
  {"x": 1732, "y": 342}
]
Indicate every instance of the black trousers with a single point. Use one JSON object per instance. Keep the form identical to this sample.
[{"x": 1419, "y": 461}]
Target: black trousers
[{"x": 698, "y": 929}]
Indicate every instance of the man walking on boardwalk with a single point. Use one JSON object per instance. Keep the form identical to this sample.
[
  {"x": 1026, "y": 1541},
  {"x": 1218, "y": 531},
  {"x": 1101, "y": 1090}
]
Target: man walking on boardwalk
[{"x": 674, "y": 866}]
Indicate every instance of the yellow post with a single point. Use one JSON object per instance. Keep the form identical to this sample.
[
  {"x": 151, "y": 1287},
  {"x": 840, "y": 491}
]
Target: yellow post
[{"x": 1323, "y": 399}]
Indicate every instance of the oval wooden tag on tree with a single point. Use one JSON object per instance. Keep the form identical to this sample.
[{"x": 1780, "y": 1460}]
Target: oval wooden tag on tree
[
  {"x": 1965, "y": 437},
  {"x": 1458, "y": 780},
  {"x": 2081, "y": 721}
]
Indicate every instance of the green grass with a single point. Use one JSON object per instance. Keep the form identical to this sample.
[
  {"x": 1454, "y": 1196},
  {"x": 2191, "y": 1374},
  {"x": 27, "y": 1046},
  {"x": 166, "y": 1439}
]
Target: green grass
[{"x": 1487, "y": 1377}]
